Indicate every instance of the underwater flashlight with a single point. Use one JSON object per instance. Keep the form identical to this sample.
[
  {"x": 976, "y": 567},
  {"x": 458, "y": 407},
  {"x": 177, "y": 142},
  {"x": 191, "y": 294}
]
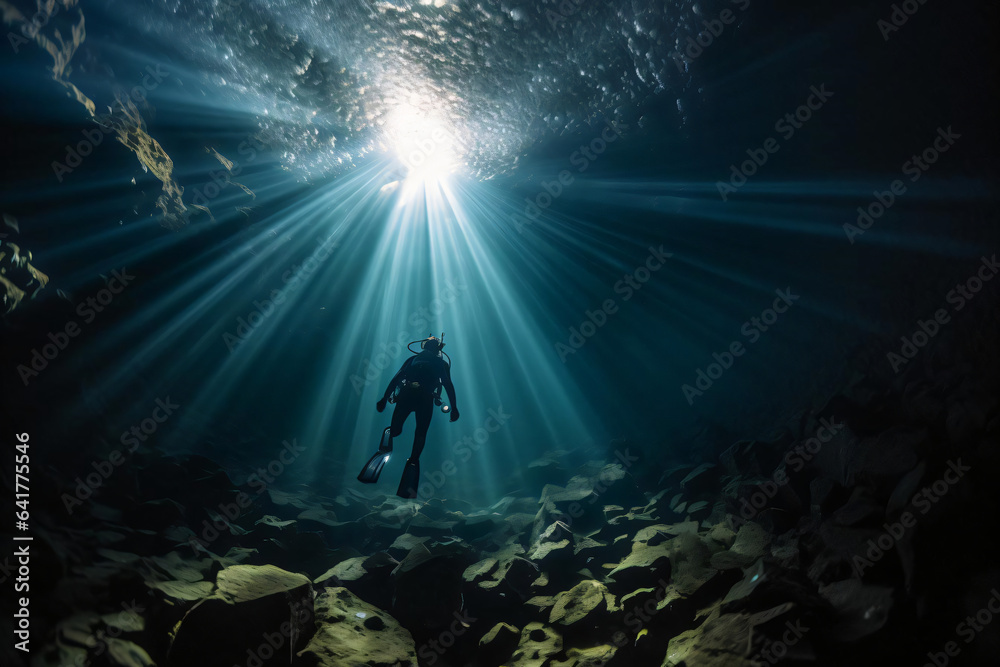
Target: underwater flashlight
[{"x": 445, "y": 408}]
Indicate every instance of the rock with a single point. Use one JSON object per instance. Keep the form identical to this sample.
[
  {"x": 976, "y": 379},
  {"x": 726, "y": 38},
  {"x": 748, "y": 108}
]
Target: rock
[
  {"x": 698, "y": 510},
  {"x": 739, "y": 459},
  {"x": 719, "y": 642},
  {"x": 78, "y": 630},
  {"x": 350, "y": 632},
  {"x": 568, "y": 506},
  {"x": 644, "y": 601},
  {"x": 474, "y": 528},
  {"x": 541, "y": 602},
  {"x": 538, "y": 473},
  {"x": 251, "y": 603},
  {"x": 752, "y": 577},
  {"x": 703, "y": 479},
  {"x": 479, "y": 571},
  {"x": 862, "y": 609},
  {"x": 318, "y": 515},
  {"x": 819, "y": 490},
  {"x": 751, "y": 541},
  {"x": 351, "y": 569},
  {"x": 580, "y": 504},
  {"x": 124, "y": 653},
  {"x": 643, "y": 566},
  {"x": 860, "y": 507},
  {"x": 554, "y": 548},
  {"x": 661, "y": 506},
  {"x": 497, "y": 645},
  {"x": 722, "y": 534},
  {"x": 418, "y": 556},
  {"x": 727, "y": 560},
  {"x": 595, "y": 656},
  {"x": 426, "y": 587},
  {"x": 549, "y": 554},
  {"x": 242, "y": 583},
  {"x": 631, "y": 520},
  {"x": 840, "y": 459},
  {"x": 421, "y": 525},
  {"x": 903, "y": 493},
  {"x": 403, "y": 544},
  {"x": 183, "y": 569},
  {"x": 538, "y": 646},
  {"x": 179, "y": 591},
  {"x": 785, "y": 550},
  {"x": 654, "y": 535},
  {"x": 586, "y": 602},
  {"x": 514, "y": 576},
  {"x": 840, "y": 551},
  {"x": 689, "y": 563},
  {"x": 894, "y": 451},
  {"x": 18, "y": 278}
]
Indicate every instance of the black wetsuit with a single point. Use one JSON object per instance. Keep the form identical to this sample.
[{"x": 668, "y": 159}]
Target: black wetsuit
[{"x": 422, "y": 374}]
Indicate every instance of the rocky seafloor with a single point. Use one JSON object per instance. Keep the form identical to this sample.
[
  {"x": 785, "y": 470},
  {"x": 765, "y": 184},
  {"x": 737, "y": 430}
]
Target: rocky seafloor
[{"x": 859, "y": 532}]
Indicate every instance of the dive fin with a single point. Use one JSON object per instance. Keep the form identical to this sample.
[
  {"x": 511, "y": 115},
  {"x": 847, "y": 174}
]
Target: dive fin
[
  {"x": 369, "y": 474},
  {"x": 410, "y": 479}
]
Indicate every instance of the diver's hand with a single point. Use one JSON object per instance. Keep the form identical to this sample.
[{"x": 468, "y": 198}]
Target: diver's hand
[
  {"x": 454, "y": 415},
  {"x": 380, "y": 406}
]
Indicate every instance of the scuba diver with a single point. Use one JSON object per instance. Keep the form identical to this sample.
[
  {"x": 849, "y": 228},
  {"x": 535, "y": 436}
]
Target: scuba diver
[{"x": 416, "y": 387}]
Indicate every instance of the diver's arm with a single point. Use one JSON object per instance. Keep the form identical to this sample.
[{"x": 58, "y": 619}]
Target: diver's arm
[{"x": 449, "y": 387}]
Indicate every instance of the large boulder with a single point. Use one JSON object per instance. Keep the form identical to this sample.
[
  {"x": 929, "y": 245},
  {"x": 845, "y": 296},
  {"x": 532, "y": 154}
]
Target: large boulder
[
  {"x": 643, "y": 566},
  {"x": 260, "y": 612},
  {"x": 586, "y": 603},
  {"x": 350, "y": 632},
  {"x": 498, "y": 644},
  {"x": 721, "y": 641},
  {"x": 539, "y": 645}
]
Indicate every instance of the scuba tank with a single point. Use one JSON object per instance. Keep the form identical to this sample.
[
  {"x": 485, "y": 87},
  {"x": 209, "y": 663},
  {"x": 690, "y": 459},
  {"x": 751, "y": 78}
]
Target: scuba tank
[{"x": 441, "y": 354}]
